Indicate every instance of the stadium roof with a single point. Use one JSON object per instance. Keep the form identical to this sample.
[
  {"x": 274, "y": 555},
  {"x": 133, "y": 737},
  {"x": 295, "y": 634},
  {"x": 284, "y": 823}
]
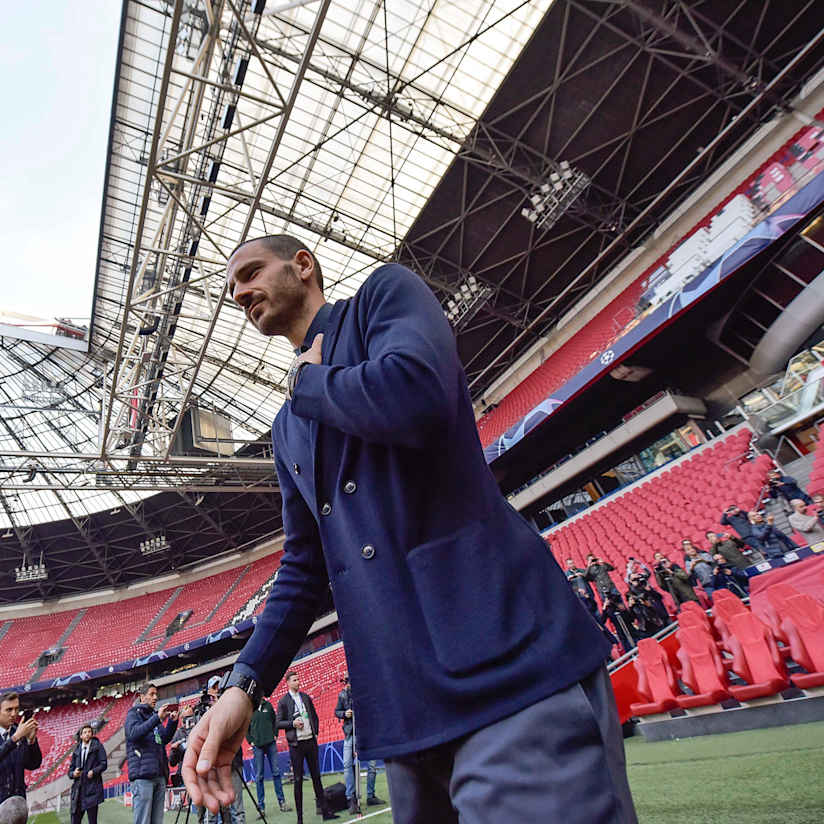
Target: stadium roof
[{"x": 416, "y": 131}]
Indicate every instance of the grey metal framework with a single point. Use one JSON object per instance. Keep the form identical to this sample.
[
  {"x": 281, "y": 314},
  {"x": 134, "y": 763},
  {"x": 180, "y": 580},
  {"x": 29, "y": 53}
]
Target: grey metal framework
[{"x": 378, "y": 130}]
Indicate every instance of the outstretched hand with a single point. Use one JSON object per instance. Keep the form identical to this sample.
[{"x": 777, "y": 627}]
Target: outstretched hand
[{"x": 212, "y": 744}]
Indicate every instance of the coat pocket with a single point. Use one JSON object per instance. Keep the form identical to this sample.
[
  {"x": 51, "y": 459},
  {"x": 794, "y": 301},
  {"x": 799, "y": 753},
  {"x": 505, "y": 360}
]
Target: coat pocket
[{"x": 474, "y": 605}]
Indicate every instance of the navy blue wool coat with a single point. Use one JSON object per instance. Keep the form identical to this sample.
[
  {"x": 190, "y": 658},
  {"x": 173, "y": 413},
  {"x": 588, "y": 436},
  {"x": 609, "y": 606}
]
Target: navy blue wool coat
[
  {"x": 453, "y": 613},
  {"x": 88, "y": 792}
]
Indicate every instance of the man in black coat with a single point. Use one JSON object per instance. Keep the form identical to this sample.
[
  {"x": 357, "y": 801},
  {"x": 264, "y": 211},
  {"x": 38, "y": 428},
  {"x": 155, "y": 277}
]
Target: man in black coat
[
  {"x": 88, "y": 763},
  {"x": 19, "y": 750},
  {"x": 298, "y": 717}
]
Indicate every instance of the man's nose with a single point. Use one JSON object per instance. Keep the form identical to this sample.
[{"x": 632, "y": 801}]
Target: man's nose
[{"x": 242, "y": 295}]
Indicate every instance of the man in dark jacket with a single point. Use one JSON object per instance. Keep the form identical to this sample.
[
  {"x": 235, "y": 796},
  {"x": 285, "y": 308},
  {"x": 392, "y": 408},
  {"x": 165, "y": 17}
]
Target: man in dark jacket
[
  {"x": 673, "y": 579},
  {"x": 146, "y": 740},
  {"x": 298, "y": 717},
  {"x": 730, "y": 547},
  {"x": 88, "y": 763},
  {"x": 598, "y": 571},
  {"x": 262, "y": 735},
  {"x": 388, "y": 496},
  {"x": 786, "y": 487},
  {"x": 726, "y": 576},
  {"x": 345, "y": 712},
  {"x": 19, "y": 750},
  {"x": 739, "y": 520}
]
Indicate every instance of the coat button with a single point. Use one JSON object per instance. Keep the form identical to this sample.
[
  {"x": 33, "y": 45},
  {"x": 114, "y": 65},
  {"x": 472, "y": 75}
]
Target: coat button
[
  {"x": 367, "y": 552},
  {"x": 296, "y": 467},
  {"x": 349, "y": 487},
  {"x": 326, "y": 509}
]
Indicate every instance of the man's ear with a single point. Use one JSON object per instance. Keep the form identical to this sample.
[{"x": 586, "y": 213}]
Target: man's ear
[{"x": 305, "y": 264}]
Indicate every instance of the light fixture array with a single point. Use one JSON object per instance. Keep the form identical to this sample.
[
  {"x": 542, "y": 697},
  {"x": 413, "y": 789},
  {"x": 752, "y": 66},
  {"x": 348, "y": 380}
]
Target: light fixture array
[
  {"x": 552, "y": 199},
  {"x": 466, "y": 300},
  {"x": 153, "y": 545}
]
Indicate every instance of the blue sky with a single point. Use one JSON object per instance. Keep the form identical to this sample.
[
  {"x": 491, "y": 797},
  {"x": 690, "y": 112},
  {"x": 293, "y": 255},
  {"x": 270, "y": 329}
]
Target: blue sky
[{"x": 58, "y": 61}]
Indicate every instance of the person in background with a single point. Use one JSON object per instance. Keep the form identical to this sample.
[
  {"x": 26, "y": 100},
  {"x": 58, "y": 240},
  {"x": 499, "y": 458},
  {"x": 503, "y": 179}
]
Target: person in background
[
  {"x": 673, "y": 579},
  {"x": 598, "y": 571},
  {"x": 698, "y": 564},
  {"x": 621, "y": 619},
  {"x": 818, "y": 507},
  {"x": 808, "y": 526},
  {"x": 737, "y": 518},
  {"x": 86, "y": 768},
  {"x": 634, "y": 565},
  {"x": 146, "y": 738},
  {"x": 19, "y": 750},
  {"x": 786, "y": 487},
  {"x": 262, "y": 735},
  {"x": 730, "y": 547},
  {"x": 773, "y": 542},
  {"x": 344, "y": 710},
  {"x": 580, "y": 585},
  {"x": 726, "y": 576}
]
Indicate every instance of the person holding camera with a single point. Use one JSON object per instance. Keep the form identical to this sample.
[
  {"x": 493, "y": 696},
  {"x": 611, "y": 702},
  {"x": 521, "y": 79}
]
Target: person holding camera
[
  {"x": 738, "y": 519},
  {"x": 773, "y": 543},
  {"x": 673, "y": 579},
  {"x": 698, "y": 565},
  {"x": 88, "y": 763},
  {"x": 730, "y": 547},
  {"x": 807, "y": 526},
  {"x": 299, "y": 718},
  {"x": 786, "y": 487},
  {"x": 147, "y": 734},
  {"x": 346, "y": 713},
  {"x": 620, "y": 617},
  {"x": 581, "y": 587},
  {"x": 640, "y": 589},
  {"x": 726, "y": 576},
  {"x": 598, "y": 571},
  {"x": 19, "y": 750},
  {"x": 262, "y": 735}
]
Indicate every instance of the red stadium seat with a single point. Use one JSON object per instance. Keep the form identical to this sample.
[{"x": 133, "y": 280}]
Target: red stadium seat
[
  {"x": 702, "y": 669},
  {"x": 803, "y": 624},
  {"x": 756, "y": 658},
  {"x": 656, "y": 680},
  {"x": 725, "y": 606}
]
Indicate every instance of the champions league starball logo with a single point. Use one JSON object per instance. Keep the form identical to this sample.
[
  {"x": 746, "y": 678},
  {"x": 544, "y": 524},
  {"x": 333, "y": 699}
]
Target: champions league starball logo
[{"x": 608, "y": 357}]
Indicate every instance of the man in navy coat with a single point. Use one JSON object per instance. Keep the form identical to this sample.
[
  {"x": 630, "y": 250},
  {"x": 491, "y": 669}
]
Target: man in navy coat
[{"x": 478, "y": 674}]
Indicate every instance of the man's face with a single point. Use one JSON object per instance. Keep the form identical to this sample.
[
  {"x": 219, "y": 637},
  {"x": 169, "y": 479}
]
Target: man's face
[
  {"x": 86, "y": 735},
  {"x": 570, "y": 563},
  {"x": 733, "y": 510},
  {"x": 756, "y": 517},
  {"x": 658, "y": 556},
  {"x": 690, "y": 550},
  {"x": 9, "y": 710},
  {"x": 293, "y": 682},
  {"x": 269, "y": 289},
  {"x": 718, "y": 558},
  {"x": 150, "y": 697},
  {"x": 712, "y": 537}
]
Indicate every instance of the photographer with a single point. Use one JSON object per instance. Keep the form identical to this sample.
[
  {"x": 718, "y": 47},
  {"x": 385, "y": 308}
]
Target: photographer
[
  {"x": 581, "y": 586},
  {"x": 146, "y": 738},
  {"x": 674, "y": 579},
  {"x": 19, "y": 750},
  {"x": 737, "y": 518},
  {"x": 633, "y": 566},
  {"x": 786, "y": 487},
  {"x": 728, "y": 577},
  {"x": 88, "y": 763},
  {"x": 598, "y": 571},
  {"x": 808, "y": 526},
  {"x": 698, "y": 565},
  {"x": 640, "y": 589},
  {"x": 773, "y": 542},
  {"x": 730, "y": 547},
  {"x": 620, "y": 618},
  {"x": 346, "y": 713}
]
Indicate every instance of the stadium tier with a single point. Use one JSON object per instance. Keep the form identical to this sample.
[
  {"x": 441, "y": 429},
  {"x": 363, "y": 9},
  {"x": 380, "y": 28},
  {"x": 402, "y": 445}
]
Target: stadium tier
[
  {"x": 119, "y": 631},
  {"x": 654, "y": 516}
]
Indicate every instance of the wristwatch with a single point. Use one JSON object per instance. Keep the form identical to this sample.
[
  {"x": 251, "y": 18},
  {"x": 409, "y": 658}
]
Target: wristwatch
[
  {"x": 244, "y": 682},
  {"x": 292, "y": 377}
]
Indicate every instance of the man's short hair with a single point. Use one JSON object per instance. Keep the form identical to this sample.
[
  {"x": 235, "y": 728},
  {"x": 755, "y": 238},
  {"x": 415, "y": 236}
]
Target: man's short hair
[
  {"x": 84, "y": 727},
  {"x": 290, "y": 674},
  {"x": 143, "y": 689},
  {"x": 8, "y": 696},
  {"x": 286, "y": 247}
]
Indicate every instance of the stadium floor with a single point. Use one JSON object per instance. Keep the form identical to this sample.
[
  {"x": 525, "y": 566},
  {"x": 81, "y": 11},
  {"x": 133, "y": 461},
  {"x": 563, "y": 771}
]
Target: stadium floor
[{"x": 770, "y": 776}]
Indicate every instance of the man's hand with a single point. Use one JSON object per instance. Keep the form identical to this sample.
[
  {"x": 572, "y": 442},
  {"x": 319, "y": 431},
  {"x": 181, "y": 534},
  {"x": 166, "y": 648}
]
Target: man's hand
[
  {"x": 212, "y": 744},
  {"x": 163, "y": 712},
  {"x": 312, "y": 355},
  {"x": 77, "y": 773},
  {"x": 90, "y": 774},
  {"x": 348, "y": 713},
  {"x": 28, "y": 729},
  {"x": 298, "y": 723}
]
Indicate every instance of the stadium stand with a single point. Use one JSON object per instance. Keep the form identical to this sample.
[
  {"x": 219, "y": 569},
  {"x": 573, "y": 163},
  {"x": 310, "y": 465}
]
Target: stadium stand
[
  {"x": 114, "y": 632},
  {"x": 674, "y": 503}
]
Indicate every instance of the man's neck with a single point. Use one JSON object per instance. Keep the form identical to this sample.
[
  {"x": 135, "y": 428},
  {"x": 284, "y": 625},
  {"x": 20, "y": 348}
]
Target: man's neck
[
  {"x": 293, "y": 693},
  {"x": 299, "y": 329}
]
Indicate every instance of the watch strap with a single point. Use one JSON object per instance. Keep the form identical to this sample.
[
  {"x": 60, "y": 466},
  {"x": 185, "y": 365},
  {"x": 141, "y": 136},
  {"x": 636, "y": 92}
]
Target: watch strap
[{"x": 244, "y": 682}]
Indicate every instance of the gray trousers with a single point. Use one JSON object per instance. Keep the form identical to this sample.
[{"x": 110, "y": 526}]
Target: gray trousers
[{"x": 561, "y": 759}]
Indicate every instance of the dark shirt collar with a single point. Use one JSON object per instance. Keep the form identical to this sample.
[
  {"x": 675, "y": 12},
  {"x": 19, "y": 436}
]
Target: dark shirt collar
[{"x": 317, "y": 326}]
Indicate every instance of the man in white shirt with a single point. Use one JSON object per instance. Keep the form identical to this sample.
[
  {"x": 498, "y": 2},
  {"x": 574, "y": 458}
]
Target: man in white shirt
[
  {"x": 299, "y": 719},
  {"x": 808, "y": 526}
]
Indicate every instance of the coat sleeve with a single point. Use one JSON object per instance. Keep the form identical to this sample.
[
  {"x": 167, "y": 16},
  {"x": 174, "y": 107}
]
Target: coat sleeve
[
  {"x": 168, "y": 731},
  {"x": 136, "y": 729},
  {"x": 340, "y": 708},
  {"x": 293, "y": 602},
  {"x": 32, "y": 757},
  {"x": 102, "y": 761},
  {"x": 284, "y": 722},
  {"x": 72, "y": 762},
  {"x": 407, "y": 388}
]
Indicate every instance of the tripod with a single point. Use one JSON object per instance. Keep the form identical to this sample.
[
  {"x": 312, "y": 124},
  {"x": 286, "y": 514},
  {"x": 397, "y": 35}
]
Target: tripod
[{"x": 224, "y": 812}]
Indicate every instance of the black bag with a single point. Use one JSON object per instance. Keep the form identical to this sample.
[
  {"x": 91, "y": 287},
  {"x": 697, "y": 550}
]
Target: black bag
[{"x": 336, "y": 797}]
